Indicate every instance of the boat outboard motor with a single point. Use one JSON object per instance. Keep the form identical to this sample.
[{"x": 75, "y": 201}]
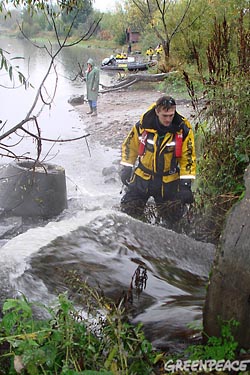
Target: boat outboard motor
[
  {"x": 109, "y": 61},
  {"x": 105, "y": 61}
]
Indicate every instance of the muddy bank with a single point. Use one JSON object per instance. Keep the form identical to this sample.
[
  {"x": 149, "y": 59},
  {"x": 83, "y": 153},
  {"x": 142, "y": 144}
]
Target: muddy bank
[{"x": 118, "y": 111}]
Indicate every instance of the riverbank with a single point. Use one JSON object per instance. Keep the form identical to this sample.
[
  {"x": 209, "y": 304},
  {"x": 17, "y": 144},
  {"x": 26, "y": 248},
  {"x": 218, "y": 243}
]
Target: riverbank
[{"x": 118, "y": 111}]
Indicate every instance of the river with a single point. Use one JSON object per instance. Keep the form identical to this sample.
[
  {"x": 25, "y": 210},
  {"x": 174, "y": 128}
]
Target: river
[{"x": 92, "y": 236}]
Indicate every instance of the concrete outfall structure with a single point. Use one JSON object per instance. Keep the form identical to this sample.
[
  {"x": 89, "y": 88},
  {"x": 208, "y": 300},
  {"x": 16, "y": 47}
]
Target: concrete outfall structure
[{"x": 32, "y": 190}]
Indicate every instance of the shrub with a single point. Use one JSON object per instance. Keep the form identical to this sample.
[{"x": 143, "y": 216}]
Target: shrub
[{"x": 66, "y": 342}]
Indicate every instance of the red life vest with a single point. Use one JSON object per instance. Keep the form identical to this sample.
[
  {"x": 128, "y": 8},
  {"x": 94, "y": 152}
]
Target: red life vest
[
  {"x": 142, "y": 144},
  {"x": 178, "y": 144}
]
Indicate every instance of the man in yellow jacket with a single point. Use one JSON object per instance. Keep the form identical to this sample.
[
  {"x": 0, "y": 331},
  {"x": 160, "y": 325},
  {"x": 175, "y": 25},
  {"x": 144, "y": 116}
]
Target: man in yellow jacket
[{"x": 158, "y": 160}]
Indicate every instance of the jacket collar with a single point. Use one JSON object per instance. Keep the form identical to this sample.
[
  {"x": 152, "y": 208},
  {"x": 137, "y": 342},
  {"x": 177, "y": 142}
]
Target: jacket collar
[{"x": 150, "y": 121}]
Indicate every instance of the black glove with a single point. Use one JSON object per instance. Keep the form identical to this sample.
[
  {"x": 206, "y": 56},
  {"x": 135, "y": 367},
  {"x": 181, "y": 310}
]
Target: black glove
[
  {"x": 125, "y": 175},
  {"x": 185, "y": 192}
]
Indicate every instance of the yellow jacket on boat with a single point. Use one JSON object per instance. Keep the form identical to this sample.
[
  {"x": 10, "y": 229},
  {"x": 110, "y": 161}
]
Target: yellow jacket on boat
[
  {"x": 150, "y": 52},
  {"x": 121, "y": 56},
  {"x": 159, "y": 49},
  {"x": 159, "y": 157}
]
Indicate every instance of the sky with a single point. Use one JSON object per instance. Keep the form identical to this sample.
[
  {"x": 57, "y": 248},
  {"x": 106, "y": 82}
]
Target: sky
[{"x": 104, "y": 5}]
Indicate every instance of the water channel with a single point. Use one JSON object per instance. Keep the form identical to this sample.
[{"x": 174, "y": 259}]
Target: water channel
[{"x": 92, "y": 236}]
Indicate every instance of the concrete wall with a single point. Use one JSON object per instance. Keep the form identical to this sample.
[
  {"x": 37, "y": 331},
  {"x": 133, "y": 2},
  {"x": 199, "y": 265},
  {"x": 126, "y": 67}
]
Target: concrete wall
[{"x": 28, "y": 190}]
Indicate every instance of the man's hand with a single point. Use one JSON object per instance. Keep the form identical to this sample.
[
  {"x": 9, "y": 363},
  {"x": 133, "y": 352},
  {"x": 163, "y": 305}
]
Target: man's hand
[
  {"x": 186, "y": 195},
  {"x": 125, "y": 175}
]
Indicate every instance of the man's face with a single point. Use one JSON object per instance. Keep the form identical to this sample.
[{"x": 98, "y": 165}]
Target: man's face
[{"x": 165, "y": 115}]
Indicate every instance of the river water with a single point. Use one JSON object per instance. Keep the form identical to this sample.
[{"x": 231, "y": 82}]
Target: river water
[{"x": 92, "y": 236}]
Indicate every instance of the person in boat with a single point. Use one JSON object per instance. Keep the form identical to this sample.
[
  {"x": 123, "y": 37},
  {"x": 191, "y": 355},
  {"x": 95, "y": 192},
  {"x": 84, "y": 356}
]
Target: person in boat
[
  {"x": 158, "y": 160},
  {"x": 121, "y": 56},
  {"x": 159, "y": 51},
  {"x": 92, "y": 84},
  {"x": 150, "y": 53}
]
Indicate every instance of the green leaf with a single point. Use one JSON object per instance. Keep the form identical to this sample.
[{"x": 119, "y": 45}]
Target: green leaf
[
  {"x": 9, "y": 304},
  {"x": 110, "y": 358}
]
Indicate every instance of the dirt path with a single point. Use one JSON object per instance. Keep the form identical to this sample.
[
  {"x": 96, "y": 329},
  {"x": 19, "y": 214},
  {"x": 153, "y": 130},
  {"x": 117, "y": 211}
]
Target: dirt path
[{"x": 119, "y": 111}]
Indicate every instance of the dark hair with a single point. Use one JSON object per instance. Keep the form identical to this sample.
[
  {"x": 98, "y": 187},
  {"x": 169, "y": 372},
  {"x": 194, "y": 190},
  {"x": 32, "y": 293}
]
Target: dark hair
[{"x": 165, "y": 102}]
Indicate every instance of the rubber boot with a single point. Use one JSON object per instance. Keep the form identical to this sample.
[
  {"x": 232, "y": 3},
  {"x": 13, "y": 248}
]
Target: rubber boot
[
  {"x": 90, "y": 111},
  {"x": 94, "y": 112}
]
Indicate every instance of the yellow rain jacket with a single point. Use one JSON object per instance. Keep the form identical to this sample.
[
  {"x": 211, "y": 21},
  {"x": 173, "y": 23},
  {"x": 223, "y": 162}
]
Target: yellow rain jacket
[
  {"x": 159, "y": 157},
  {"x": 159, "y": 49},
  {"x": 150, "y": 52}
]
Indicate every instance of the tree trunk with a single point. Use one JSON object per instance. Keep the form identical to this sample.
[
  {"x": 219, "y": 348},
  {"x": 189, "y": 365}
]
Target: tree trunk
[
  {"x": 166, "y": 49},
  {"x": 131, "y": 79}
]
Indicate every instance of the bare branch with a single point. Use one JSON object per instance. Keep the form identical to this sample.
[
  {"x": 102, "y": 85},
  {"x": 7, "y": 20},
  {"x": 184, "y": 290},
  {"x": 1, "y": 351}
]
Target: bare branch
[
  {"x": 58, "y": 140},
  {"x": 204, "y": 9},
  {"x": 179, "y": 23},
  {"x": 138, "y": 5}
]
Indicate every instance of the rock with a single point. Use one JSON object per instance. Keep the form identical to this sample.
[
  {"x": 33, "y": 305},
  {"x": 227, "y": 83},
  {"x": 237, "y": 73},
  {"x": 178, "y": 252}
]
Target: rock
[
  {"x": 76, "y": 100},
  {"x": 109, "y": 171},
  {"x": 228, "y": 295},
  {"x": 110, "y": 174}
]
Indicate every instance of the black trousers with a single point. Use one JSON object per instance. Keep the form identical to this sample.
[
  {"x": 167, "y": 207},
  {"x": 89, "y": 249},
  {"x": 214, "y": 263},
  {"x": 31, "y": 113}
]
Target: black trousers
[{"x": 168, "y": 205}]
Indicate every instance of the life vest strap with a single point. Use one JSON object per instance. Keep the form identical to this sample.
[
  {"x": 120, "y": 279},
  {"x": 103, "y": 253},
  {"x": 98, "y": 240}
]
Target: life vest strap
[{"x": 161, "y": 174}]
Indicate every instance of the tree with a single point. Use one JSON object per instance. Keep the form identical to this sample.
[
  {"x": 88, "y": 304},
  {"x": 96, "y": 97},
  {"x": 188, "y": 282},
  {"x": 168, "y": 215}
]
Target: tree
[
  {"x": 201, "y": 31},
  {"x": 79, "y": 15},
  {"x": 134, "y": 17},
  {"x": 42, "y": 98},
  {"x": 117, "y": 24},
  {"x": 164, "y": 19}
]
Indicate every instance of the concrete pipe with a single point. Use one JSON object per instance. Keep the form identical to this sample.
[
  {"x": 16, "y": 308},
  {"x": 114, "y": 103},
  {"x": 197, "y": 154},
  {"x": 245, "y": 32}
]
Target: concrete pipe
[{"x": 36, "y": 190}]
